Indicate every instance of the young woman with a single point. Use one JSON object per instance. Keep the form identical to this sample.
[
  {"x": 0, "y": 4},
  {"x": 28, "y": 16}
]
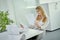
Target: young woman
[
  {"x": 41, "y": 21},
  {"x": 41, "y": 18}
]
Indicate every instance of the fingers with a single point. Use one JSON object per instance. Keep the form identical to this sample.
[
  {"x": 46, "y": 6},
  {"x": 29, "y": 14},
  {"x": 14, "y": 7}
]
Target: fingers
[{"x": 21, "y": 26}]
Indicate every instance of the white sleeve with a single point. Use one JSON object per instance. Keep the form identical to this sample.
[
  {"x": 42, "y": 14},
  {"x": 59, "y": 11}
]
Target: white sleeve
[{"x": 41, "y": 23}]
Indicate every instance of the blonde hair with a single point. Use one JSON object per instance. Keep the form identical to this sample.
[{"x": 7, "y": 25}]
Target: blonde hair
[{"x": 43, "y": 13}]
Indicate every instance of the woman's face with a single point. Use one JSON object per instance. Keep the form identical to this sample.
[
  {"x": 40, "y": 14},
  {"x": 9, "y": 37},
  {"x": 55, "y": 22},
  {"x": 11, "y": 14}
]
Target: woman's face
[{"x": 39, "y": 12}]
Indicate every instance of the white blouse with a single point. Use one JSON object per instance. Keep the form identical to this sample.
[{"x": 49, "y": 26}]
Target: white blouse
[{"x": 42, "y": 24}]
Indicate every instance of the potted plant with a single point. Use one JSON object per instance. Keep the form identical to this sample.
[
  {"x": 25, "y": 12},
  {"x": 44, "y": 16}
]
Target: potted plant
[{"x": 4, "y": 20}]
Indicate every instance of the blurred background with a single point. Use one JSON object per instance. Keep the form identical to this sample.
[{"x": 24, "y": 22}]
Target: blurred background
[{"x": 18, "y": 9}]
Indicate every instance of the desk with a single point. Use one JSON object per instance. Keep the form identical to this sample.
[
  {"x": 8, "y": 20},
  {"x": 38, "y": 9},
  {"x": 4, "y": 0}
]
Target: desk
[{"x": 29, "y": 34}]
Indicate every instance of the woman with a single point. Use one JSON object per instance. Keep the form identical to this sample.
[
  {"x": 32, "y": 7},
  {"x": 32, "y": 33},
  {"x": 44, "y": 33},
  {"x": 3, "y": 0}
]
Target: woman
[
  {"x": 41, "y": 18},
  {"x": 41, "y": 21}
]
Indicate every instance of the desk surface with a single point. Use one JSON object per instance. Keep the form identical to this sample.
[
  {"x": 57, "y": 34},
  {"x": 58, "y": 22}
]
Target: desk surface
[{"x": 31, "y": 33}]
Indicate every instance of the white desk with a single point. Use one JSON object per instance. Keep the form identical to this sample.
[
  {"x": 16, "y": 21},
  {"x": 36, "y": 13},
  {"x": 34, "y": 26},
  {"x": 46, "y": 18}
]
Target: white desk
[{"x": 29, "y": 34}]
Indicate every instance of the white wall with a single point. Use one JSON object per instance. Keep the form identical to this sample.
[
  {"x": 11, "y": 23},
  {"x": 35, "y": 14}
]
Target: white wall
[
  {"x": 11, "y": 10},
  {"x": 47, "y": 1},
  {"x": 20, "y": 11},
  {"x": 54, "y": 15},
  {"x": 3, "y": 5},
  {"x": 21, "y": 8}
]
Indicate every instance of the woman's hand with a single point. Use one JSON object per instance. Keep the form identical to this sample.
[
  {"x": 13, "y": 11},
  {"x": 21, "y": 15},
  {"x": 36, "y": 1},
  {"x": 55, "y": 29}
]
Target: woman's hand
[
  {"x": 37, "y": 24},
  {"x": 21, "y": 26}
]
